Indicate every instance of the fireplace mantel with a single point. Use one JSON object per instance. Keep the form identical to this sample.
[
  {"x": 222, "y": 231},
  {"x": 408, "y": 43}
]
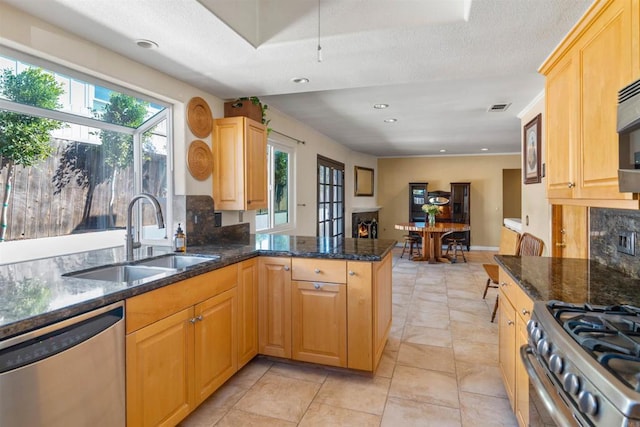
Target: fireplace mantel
[{"x": 370, "y": 209}]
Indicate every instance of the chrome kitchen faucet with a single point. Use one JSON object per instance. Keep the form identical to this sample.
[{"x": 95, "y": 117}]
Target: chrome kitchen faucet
[{"x": 129, "y": 243}]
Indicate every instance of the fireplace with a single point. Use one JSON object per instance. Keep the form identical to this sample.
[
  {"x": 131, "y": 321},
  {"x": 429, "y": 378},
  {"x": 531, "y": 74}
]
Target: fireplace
[{"x": 364, "y": 224}]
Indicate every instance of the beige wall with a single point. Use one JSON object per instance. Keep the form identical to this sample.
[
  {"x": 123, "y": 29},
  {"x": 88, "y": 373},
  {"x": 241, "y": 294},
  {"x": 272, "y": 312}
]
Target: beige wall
[
  {"x": 536, "y": 210},
  {"x": 484, "y": 172}
]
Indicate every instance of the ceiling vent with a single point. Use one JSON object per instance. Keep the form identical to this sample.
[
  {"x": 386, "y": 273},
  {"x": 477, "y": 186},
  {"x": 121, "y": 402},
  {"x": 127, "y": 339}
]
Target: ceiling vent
[{"x": 498, "y": 108}]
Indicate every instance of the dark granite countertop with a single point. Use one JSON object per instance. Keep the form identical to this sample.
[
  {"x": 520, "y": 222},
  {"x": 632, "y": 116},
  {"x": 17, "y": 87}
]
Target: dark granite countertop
[
  {"x": 571, "y": 280},
  {"x": 35, "y": 293}
]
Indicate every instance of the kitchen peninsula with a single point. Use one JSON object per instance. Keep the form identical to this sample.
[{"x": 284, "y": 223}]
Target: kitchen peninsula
[{"x": 312, "y": 299}]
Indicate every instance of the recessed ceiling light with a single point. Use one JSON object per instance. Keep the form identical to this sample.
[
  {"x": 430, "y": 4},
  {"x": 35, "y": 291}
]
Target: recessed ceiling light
[
  {"x": 390, "y": 120},
  {"x": 484, "y": 149},
  {"x": 147, "y": 44},
  {"x": 380, "y": 106},
  {"x": 443, "y": 151},
  {"x": 300, "y": 80}
]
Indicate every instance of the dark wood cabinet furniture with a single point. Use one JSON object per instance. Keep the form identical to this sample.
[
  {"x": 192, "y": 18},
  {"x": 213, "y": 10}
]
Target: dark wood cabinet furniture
[
  {"x": 417, "y": 198},
  {"x": 458, "y": 210}
]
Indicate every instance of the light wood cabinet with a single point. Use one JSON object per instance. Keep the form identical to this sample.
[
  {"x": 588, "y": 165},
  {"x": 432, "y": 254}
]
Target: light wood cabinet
[
  {"x": 319, "y": 322},
  {"x": 521, "y": 402},
  {"x": 180, "y": 346},
  {"x": 369, "y": 305},
  {"x": 345, "y": 321},
  {"x": 215, "y": 343},
  {"x": 159, "y": 363},
  {"x": 583, "y": 77},
  {"x": 274, "y": 306},
  {"x": 247, "y": 311},
  {"x": 507, "y": 342},
  {"x": 239, "y": 164},
  {"x": 515, "y": 311}
]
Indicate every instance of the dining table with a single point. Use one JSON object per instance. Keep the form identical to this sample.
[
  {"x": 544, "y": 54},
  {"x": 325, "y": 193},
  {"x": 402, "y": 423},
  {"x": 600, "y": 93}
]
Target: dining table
[{"x": 432, "y": 238}]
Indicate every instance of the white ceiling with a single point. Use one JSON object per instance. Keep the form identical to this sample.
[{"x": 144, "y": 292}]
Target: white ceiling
[{"x": 439, "y": 64}]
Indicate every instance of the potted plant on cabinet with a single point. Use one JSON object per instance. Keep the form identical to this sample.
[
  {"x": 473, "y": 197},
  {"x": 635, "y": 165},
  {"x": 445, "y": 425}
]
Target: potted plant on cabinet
[{"x": 250, "y": 107}]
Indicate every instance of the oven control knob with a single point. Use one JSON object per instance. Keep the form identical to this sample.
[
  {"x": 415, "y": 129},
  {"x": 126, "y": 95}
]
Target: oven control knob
[
  {"x": 587, "y": 402},
  {"x": 536, "y": 334},
  {"x": 543, "y": 348},
  {"x": 571, "y": 383},
  {"x": 531, "y": 326},
  {"x": 556, "y": 364}
]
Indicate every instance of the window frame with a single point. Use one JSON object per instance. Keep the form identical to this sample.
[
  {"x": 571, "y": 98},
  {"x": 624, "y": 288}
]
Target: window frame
[
  {"x": 68, "y": 117},
  {"x": 274, "y": 144}
]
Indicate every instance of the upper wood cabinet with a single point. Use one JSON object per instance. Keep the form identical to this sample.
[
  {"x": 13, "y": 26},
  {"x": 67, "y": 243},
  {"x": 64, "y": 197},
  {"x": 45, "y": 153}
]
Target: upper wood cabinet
[
  {"x": 583, "y": 76},
  {"x": 239, "y": 164}
]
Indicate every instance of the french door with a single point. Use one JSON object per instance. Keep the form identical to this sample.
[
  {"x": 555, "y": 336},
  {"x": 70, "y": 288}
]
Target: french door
[{"x": 330, "y": 198}]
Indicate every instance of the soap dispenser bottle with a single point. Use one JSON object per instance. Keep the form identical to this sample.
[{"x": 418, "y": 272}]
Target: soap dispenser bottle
[{"x": 180, "y": 240}]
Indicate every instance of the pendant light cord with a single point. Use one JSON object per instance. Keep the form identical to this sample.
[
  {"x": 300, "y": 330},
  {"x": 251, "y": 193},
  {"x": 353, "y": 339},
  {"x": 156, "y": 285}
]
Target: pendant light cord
[{"x": 319, "y": 47}]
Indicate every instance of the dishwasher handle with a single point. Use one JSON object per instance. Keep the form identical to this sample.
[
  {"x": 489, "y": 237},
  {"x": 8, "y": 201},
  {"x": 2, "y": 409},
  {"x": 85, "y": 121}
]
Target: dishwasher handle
[{"x": 34, "y": 346}]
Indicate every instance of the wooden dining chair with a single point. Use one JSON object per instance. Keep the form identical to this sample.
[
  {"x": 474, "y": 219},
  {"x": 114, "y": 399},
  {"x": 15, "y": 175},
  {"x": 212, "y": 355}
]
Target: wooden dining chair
[
  {"x": 509, "y": 242},
  {"x": 528, "y": 245}
]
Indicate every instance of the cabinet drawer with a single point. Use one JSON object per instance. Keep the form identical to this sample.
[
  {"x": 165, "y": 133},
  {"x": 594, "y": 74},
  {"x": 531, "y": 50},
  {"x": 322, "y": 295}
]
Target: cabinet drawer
[
  {"x": 508, "y": 287},
  {"x": 319, "y": 270},
  {"x": 523, "y": 305},
  {"x": 150, "y": 307}
]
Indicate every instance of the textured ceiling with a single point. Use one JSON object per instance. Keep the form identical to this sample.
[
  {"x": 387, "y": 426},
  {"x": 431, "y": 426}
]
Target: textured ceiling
[{"x": 439, "y": 64}]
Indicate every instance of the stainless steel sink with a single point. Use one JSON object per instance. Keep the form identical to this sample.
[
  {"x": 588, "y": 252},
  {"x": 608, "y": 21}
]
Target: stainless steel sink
[
  {"x": 121, "y": 273},
  {"x": 177, "y": 262}
]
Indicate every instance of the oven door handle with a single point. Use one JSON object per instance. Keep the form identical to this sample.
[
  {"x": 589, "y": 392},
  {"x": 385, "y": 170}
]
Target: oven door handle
[{"x": 558, "y": 414}]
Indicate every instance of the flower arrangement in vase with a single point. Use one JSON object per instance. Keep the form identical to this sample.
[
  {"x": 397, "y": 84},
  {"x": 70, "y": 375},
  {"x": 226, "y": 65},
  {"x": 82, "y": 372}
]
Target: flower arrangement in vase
[{"x": 431, "y": 211}]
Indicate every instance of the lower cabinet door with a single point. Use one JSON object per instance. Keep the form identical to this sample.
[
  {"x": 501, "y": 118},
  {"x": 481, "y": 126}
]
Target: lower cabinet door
[
  {"x": 215, "y": 343},
  {"x": 274, "y": 306},
  {"x": 247, "y": 311},
  {"x": 522, "y": 378},
  {"x": 507, "y": 344},
  {"x": 319, "y": 323},
  {"x": 159, "y": 372}
]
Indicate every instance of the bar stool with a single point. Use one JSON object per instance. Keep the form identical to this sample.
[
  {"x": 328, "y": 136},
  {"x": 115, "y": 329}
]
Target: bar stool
[
  {"x": 410, "y": 240},
  {"x": 455, "y": 244}
]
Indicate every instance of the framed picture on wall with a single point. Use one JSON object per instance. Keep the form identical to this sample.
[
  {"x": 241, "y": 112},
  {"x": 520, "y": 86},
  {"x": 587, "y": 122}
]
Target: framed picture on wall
[
  {"x": 363, "y": 181},
  {"x": 531, "y": 151}
]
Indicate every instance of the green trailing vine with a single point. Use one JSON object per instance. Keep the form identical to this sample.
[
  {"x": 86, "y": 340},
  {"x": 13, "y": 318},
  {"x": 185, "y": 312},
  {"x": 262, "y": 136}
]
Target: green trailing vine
[{"x": 263, "y": 107}]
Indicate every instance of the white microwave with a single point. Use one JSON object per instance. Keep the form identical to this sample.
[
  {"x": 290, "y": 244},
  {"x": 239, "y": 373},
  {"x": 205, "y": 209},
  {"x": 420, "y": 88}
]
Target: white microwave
[{"x": 629, "y": 138}]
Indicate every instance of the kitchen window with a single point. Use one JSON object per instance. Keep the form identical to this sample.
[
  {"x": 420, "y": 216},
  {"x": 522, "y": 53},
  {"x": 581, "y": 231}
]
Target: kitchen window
[
  {"x": 111, "y": 144},
  {"x": 279, "y": 214}
]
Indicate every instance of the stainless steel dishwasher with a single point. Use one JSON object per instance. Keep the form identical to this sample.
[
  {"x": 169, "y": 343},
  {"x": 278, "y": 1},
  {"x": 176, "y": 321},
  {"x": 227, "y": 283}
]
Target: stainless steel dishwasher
[{"x": 69, "y": 374}]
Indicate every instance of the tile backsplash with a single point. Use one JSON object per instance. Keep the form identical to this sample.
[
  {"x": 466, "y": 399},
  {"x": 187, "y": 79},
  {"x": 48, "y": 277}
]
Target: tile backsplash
[
  {"x": 200, "y": 224},
  {"x": 605, "y": 226}
]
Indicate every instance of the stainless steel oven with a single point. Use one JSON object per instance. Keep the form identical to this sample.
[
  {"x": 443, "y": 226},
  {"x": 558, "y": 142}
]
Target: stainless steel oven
[
  {"x": 584, "y": 363},
  {"x": 628, "y": 128}
]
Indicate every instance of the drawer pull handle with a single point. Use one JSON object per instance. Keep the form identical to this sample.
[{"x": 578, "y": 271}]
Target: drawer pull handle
[
  {"x": 317, "y": 285},
  {"x": 503, "y": 284},
  {"x": 286, "y": 268},
  {"x": 525, "y": 311},
  {"x": 510, "y": 322},
  {"x": 317, "y": 271},
  {"x": 196, "y": 319},
  {"x": 571, "y": 185},
  {"x": 352, "y": 273}
]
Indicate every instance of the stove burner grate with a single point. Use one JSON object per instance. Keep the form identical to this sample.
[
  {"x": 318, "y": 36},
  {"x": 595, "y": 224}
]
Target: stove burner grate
[{"x": 610, "y": 334}]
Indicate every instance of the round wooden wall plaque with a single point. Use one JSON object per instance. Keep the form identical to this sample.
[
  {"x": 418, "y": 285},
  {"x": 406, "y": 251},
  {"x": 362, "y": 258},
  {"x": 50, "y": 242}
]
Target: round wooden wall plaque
[
  {"x": 199, "y": 160},
  {"x": 199, "y": 117}
]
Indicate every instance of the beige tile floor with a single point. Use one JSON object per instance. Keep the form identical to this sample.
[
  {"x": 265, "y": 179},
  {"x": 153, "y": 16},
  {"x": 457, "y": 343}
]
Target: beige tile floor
[{"x": 439, "y": 368}]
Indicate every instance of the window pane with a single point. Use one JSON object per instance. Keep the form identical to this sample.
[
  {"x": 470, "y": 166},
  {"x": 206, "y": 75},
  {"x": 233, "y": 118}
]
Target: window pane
[
  {"x": 77, "y": 96},
  {"x": 154, "y": 177},
  {"x": 85, "y": 176}
]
